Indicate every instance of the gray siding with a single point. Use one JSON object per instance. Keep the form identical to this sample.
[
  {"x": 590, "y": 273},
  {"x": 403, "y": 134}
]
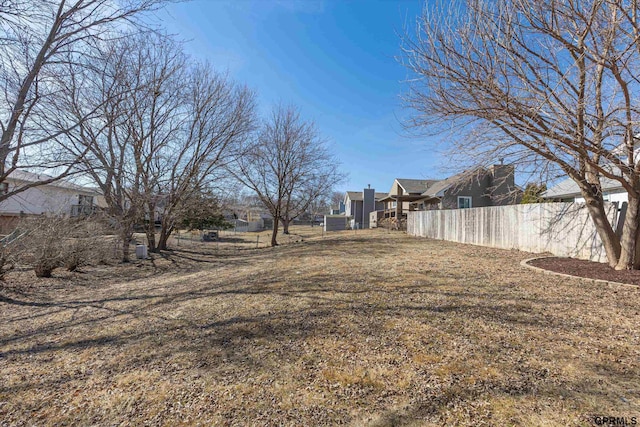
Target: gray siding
[
  {"x": 502, "y": 185},
  {"x": 356, "y": 213},
  {"x": 496, "y": 187},
  {"x": 476, "y": 188},
  {"x": 368, "y": 206},
  {"x": 335, "y": 222}
]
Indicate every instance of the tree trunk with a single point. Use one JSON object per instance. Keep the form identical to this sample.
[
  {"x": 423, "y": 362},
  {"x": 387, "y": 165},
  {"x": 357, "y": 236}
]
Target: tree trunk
[
  {"x": 165, "y": 233},
  {"x": 604, "y": 229},
  {"x": 636, "y": 263},
  {"x": 629, "y": 238},
  {"x": 285, "y": 225},
  {"x": 125, "y": 235},
  {"x": 150, "y": 226},
  {"x": 150, "y": 231},
  {"x": 274, "y": 241}
]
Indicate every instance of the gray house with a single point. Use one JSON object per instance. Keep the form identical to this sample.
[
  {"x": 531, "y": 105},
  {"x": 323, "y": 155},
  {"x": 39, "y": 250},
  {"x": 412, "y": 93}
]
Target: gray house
[
  {"x": 359, "y": 204},
  {"x": 568, "y": 191},
  {"x": 493, "y": 186},
  {"x": 404, "y": 194}
]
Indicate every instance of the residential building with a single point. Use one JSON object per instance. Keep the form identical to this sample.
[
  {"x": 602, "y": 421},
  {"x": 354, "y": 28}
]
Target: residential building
[
  {"x": 493, "y": 186},
  {"x": 359, "y": 204},
  {"x": 404, "y": 194},
  {"x": 59, "y": 197},
  {"x": 568, "y": 191}
]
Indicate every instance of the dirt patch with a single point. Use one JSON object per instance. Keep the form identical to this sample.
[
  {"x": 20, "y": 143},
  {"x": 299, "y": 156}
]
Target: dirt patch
[
  {"x": 357, "y": 328},
  {"x": 587, "y": 269}
]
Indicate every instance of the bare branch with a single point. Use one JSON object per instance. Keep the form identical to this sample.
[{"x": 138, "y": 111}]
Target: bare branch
[{"x": 550, "y": 84}]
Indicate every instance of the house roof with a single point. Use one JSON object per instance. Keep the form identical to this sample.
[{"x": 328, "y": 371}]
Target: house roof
[
  {"x": 439, "y": 187},
  {"x": 21, "y": 175},
  {"x": 415, "y": 186},
  {"x": 430, "y": 189},
  {"x": 569, "y": 188},
  {"x": 356, "y": 196}
]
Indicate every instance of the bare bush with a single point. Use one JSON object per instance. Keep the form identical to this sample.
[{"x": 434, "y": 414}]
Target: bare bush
[
  {"x": 47, "y": 243},
  {"x": 42, "y": 244},
  {"x": 9, "y": 252},
  {"x": 86, "y": 245}
]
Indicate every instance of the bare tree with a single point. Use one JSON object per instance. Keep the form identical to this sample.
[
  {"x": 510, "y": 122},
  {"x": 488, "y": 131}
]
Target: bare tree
[
  {"x": 44, "y": 43},
  {"x": 552, "y": 84},
  {"x": 162, "y": 131},
  {"x": 102, "y": 140},
  {"x": 154, "y": 121},
  {"x": 320, "y": 206},
  {"x": 288, "y": 166},
  {"x": 320, "y": 179},
  {"x": 335, "y": 199},
  {"x": 217, "y": 117}
]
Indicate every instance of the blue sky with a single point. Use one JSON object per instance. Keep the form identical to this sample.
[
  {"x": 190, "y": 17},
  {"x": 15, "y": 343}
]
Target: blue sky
[{"x": 335, "y": 59}]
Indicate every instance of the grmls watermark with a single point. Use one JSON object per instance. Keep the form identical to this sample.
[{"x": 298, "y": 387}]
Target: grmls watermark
[{"x": 615, "y": 421}]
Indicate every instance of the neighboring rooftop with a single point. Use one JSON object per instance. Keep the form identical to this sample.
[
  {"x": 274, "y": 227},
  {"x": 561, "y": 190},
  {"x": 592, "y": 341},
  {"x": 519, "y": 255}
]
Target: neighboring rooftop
[
  {"x": 569, "y": 188},
  {"x": 415, "y": 186},
  {"x": 20, "y": 175},
  {"x": 357, "y": 195},
  {"x": 439, "y": 187}
]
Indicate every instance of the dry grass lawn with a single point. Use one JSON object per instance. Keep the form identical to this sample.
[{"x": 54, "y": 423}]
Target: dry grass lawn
[{"x": 366, "y": 328}]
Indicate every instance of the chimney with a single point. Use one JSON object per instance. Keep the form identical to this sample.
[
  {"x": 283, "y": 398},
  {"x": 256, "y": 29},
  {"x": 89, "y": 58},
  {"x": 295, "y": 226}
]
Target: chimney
[
  {"x": 368, "y": 205},
  {"x": 502, "y": 182}
]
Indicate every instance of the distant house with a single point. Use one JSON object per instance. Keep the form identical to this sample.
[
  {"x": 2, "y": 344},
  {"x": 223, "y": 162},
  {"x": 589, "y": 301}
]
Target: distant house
[
  {"x": 59, "y": 197},
  {"x": 250, "y": 209},
  {"x": 493, "y": 186},
  {"x": 359, "y": 204},
  {"x": 404, "y": 195},
  {"x": 568, "y": 191}
]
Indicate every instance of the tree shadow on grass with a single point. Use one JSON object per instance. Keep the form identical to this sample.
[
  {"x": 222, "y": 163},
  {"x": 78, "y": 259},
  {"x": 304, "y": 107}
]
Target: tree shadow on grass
[
  {"x": 323, "y": 291},
  {"x": 258, "y": 323}
]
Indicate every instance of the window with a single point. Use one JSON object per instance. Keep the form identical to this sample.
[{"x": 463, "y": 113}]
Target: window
[
  {"x": 464, "y": 202},
  {"x": 85, "y": 200},
  {"x": 394, "y": 204}
]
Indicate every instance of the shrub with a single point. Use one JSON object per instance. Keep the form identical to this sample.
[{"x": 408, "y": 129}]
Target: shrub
[
  {"x": 50, "y": 242},
  {"x": 9, "y": 252}
]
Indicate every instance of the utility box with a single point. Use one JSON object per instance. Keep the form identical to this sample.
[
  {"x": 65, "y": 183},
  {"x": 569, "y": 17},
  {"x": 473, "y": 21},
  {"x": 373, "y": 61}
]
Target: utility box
[{"x": 141, "y": 251}]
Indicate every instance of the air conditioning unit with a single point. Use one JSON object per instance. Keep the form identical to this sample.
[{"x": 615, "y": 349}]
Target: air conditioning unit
[{"x": 141, "y": 251}]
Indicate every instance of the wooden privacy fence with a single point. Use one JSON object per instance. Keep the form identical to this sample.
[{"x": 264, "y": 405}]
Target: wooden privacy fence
[{"x": 564, "y": 229}]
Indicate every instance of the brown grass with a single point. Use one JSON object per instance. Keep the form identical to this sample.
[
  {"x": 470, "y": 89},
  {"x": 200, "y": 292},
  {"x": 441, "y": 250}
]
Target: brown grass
[
  {"x": 366, "y": 328},
  {"x": 231, "y": 240}
]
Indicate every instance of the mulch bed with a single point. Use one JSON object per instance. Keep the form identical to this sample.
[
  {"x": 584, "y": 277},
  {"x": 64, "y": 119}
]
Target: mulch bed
[{"x": 587, "y": 269}]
